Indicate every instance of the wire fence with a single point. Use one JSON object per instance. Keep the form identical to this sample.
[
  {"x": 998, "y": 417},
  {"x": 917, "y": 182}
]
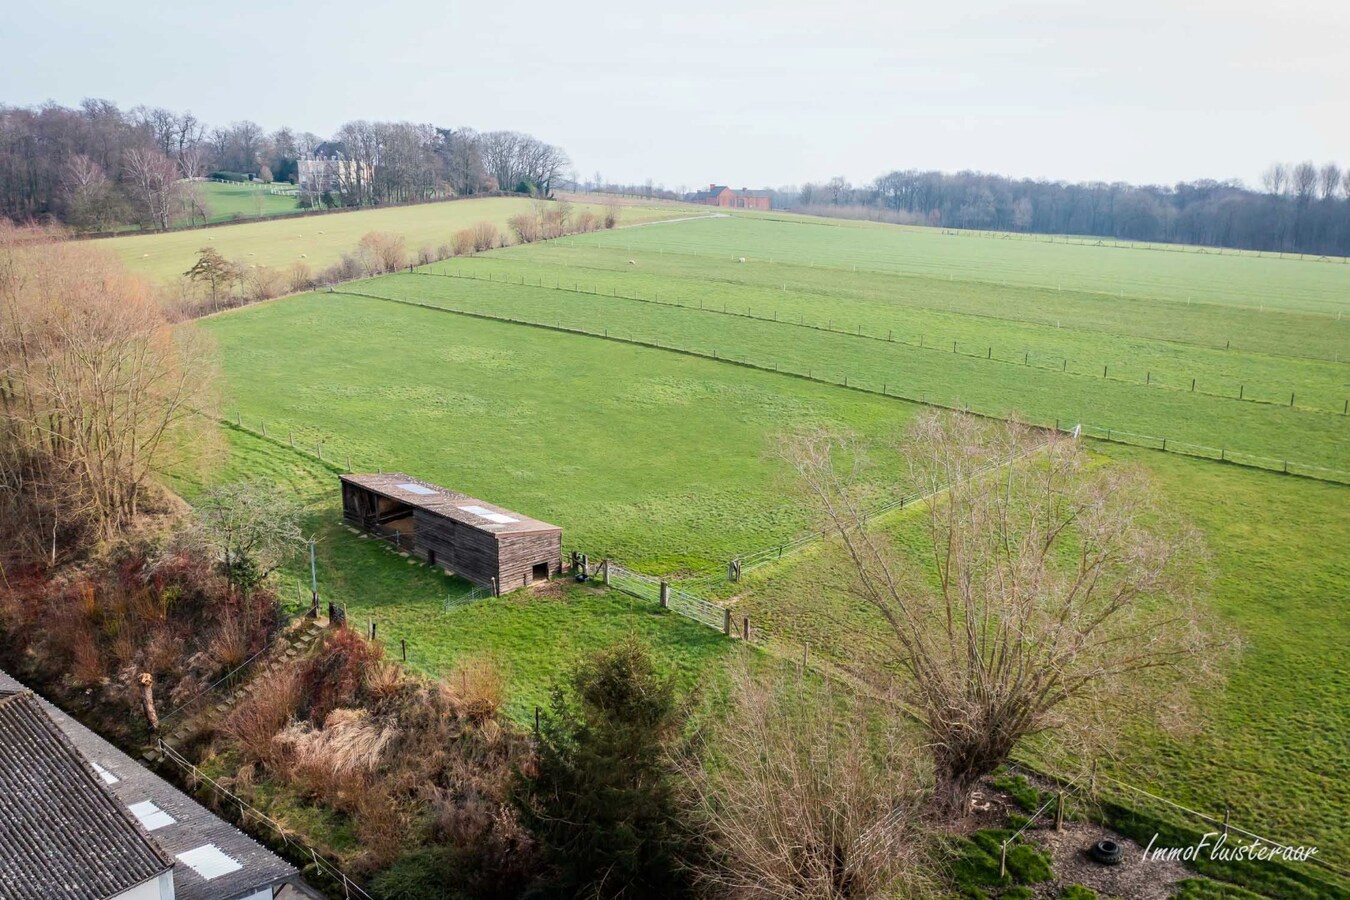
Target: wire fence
[
  {"x": 1113, "y": 435},
  {"x": 595, "y": 241},
  {"x": 229, "y": 680},
  {"x": 1185, "y": 383},
  {"x": 677, "y": 600},
  {"x": 248, "y": 812}
]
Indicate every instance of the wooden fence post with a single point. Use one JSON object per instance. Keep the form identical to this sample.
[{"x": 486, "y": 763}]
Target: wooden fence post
[
  {"x": 745, "y": 629},
  {"x": 665, "y": 595},
  {"x": 604, "y": 571},
  {"x": 403, "y": 642},
  {"x": 726, "y": 621},
  {"x": 1059, "y": 813}
]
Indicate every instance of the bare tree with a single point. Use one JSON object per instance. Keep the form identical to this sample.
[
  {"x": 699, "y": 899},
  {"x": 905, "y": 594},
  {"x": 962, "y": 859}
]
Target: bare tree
[
  {"x": 1304, "y": 182},
  {"x": 98, "y": 397},
  {"x": 1276, "y": 179},
  {"x": 155, "y": 185},
  {"x": 807, "y": 793},
  {"x": 1052, "y": 594},
  {"x": 89, "y": 196},
  {"x": 1329, "y": 180}
]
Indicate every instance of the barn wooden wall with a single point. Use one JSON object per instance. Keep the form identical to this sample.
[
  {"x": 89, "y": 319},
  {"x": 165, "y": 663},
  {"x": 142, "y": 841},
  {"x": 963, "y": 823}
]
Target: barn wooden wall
[{"x": 520, "y": 553}]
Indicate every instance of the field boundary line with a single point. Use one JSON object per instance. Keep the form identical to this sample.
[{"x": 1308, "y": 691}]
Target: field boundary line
[
  {"x": 859, "y": 334},
  {"x": 965, "y": 313},
  {"x": 1000, "y": 283},
  {"x": 1110, "y": 435}
]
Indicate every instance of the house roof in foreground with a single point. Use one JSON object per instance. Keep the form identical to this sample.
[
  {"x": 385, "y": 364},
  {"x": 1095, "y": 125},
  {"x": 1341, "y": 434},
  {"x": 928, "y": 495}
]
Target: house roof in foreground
[
  {"x": 181, "y": 828},
  {"x": 62, "y": 832},
  {"x": 479, "y": 514}
]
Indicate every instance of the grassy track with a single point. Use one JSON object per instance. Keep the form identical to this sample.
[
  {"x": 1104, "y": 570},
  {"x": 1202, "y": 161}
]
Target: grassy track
[
  {"x": 245, "y": 200},
  {"x": 661, "y": 460},
  {"x": 321, "y": 240}
]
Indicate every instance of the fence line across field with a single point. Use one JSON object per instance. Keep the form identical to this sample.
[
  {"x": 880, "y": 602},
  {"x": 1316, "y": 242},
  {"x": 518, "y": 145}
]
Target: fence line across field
[
  {"x": 1039, "y": 360},
  {"x": 570, "y": 241},
  {"x": 246, "y": 810},
  {"x": 1250, "y": 460}
]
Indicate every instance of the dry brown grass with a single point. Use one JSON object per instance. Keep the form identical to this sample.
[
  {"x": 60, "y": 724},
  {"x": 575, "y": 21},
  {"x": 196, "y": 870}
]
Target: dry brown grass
[
  {"x": 229, "y": 643},
  {"x": 478, "y": 688},
  {"x": 254, "y": 724}
]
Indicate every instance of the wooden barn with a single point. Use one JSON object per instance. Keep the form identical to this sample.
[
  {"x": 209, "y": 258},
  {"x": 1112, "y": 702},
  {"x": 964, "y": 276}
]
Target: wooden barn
[{"x": 474, "y": 539}]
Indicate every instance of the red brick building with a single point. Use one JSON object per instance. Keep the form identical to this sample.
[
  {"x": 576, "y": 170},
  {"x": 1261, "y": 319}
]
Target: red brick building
[{"x": 721, "y": 195}]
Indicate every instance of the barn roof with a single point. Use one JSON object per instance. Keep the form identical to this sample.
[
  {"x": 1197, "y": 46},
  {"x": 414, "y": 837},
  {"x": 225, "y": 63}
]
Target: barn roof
[
  {"x": 479, "y": 514},
  {"x": 190, "y": 837},
  {"x": 62, "y": 832}
]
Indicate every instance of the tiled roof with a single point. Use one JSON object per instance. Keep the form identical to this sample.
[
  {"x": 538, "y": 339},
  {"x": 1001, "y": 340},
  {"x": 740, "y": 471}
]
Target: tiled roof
[
  {"x": 450, "y": 504},
  {"x": 63, "y": 834},
  {"x": 193, "y": 826}
]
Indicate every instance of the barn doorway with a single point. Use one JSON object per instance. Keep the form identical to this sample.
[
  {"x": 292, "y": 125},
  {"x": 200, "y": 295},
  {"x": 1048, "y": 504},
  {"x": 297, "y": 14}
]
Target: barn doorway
[{"x": 540, "y": 572}]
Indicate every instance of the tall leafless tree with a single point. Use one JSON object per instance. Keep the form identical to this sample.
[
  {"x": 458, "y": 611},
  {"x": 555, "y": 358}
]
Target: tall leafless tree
[
  {"x": 97, "y": 393},
  {"x": 155, "y": 185},
  {"x": 1051, "y": 596}
]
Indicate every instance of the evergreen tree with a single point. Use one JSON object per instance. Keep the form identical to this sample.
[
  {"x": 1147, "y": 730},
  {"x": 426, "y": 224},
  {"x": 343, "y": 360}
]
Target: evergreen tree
[{"x": 602, "y": 803}]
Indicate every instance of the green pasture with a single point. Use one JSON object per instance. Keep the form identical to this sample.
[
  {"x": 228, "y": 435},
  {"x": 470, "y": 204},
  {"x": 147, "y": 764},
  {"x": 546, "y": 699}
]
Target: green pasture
[
  {"x": 661, "y": 460},
  {"x": 1270, "y": 740},
  {"x": 320, "y": 240},
  {"x": 227, "y": 201},
  {"x": 1186, "y": 274},
  {"x": 1312, "y": 434}
]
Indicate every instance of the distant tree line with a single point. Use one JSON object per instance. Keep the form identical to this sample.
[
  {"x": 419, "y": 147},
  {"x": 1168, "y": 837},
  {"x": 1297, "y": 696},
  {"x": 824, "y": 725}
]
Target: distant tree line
[
  {"x": 97, "y": 166},
  {"x": 1301, "y": 208}
]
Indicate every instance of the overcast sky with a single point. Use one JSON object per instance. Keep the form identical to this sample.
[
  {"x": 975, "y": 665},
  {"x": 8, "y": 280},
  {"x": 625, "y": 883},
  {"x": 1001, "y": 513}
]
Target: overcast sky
[{"x": 745, "y": 93}]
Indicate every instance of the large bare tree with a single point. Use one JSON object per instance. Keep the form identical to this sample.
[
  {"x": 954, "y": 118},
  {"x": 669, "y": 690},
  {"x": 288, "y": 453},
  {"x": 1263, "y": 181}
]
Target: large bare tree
[
  {"x": 1053, "y": 596},
  {"x": 155, "y": 185},
  {"x": 97, "y": 394}
]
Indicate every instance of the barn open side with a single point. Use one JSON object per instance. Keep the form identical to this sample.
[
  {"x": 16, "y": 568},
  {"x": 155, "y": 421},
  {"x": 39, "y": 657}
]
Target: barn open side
[{"x": 476, "y": 540}]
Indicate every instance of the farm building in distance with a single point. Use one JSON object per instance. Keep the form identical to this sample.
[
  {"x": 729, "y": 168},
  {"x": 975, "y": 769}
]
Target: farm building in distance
[
  {"x": 721, "y": 195},
  {"x": 474, "y": 539}
]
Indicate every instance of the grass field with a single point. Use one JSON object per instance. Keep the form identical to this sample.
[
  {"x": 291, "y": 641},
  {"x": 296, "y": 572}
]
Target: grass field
[
  {"x": 245, "y": 200},
  {"x": 531, "y": 638},
  {"x": 321, "y": 240},
  {"x": 665, "y": 460},
  {"x": 662, "y": 460},
  {"x": 1270, "y": 742},
  {"x": 891, "y": 334},
  {"x": 1228, "y": 279}
]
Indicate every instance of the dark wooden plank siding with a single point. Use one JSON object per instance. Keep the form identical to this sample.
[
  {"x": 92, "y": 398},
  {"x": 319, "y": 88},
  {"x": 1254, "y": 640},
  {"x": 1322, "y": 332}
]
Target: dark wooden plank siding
[
  {"x": 520, "y": 553},
  {"x": 466, "y": 551}
]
